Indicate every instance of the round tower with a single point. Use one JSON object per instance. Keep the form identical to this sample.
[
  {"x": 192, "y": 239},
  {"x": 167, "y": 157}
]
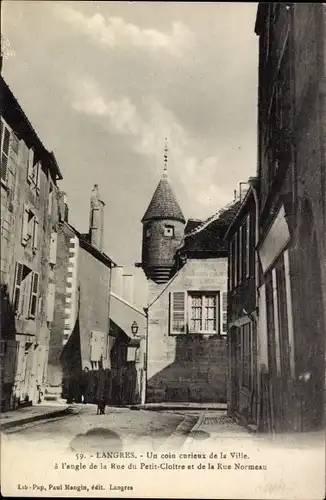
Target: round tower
[{"x": 163, "y": 230}]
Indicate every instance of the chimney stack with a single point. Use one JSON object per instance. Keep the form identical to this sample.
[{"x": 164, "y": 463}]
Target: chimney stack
[
  {"x": 96, "y": 219},
  {"x": 128, "y": 288}
]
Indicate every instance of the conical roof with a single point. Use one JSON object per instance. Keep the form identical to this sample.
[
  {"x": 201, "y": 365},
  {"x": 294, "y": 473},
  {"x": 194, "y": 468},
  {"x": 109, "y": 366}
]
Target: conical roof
[{"x": 164, "y": 204}]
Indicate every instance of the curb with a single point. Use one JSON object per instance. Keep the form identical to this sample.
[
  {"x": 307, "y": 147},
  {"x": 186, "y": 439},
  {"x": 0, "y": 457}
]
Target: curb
[
  {"x": 189, "y": 439},
  {"x": 36, "y": 418},
  {"x": 175, "y": 408},
  {"x": 180, "y": 433}
]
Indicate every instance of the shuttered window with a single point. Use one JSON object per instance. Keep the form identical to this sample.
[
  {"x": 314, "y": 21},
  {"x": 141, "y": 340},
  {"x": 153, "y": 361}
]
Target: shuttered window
[
  {"x": 38, "y": 173},
  {"x": 17, "y": 286},
  {"x": 34, "y": 295},
  {"x": 30, "y": 167},
  {"x": 247, "y": 271},
  {"x": 177, "y": 312},
  {"x": 50, "y": 200},
  {"x": 224, "y": 312},
  {"x": 5, "y": 144},
  {"x": 35, "y": 233},
  {"x": 27, "y": 225},
  {"x": 194, "y": 312}
]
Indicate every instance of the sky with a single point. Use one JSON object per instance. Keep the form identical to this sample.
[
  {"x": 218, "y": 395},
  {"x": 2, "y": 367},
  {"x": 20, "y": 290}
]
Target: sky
[{"x": 103, "y": 84}]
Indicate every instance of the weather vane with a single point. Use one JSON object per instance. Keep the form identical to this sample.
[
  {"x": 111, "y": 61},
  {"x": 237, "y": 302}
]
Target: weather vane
[{"x": 166, "y": 155}]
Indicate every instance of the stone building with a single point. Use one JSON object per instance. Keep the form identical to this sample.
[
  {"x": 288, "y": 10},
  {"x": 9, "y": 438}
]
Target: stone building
[
  {"x": 243, "y": 308},
  {"x": 292, "y": 216},
  {"x": 79, "y": 358},
  {"x": 29, "y": 175},
  {"x": 186, "y": 268}
]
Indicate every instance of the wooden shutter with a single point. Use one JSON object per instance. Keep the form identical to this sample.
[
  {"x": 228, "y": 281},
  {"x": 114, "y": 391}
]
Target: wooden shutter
[
  {"x": 178, "y": 313},
  {"x": 30, "y": 167},
  {"x": 53, "y": 248},
  {"x": 25, "y": 226},
  {"x": 248, "y": 246},
  {"x": 50, "y": 200},
  {"x": 17, "y": 286},
  {"x": 34, "y": 295},
  {"x": 38, "y": 168},
  {"x": 35, "y": 233},
  {"x": 5, "y": 143},
  {"x": 224, "y": 312}
]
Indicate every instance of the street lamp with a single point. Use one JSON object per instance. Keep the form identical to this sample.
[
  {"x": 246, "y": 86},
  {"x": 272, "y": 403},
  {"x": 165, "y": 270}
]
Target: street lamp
[{"x": 134, "y": 328}]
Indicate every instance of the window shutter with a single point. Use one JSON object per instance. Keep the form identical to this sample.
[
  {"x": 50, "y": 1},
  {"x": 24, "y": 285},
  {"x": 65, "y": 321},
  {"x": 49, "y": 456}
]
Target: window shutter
[
  {"x": 35, "y": 233},
  {"x": 34, "y": 295},
  {"x": 18, "y": 281},
  {"x": 178, "y": 312},
  {"x": 38, "y": 174},
  {"x": 25, "y": 226},
  {"x": 50, "y": 302},
  {"x": 224, "y": 312},
  {"x": 53, "y": 248},
  {"x": 5, "y": 143},
  {"x": 30, "y": 166},
  {"x": 248, "y": 246},
  {"x": 50, "y": 200}
]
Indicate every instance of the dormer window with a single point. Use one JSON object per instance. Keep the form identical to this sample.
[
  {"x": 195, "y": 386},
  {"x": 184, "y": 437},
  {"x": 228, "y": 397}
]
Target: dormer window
[
  {"x": 169, "y": 231},
  {"x": 148, "y": 232}
]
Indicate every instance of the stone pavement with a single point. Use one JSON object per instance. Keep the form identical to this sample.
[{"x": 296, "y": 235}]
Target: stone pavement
[
  {"x": 33, "y": 413},
  {"x": 182, "y": 406}
]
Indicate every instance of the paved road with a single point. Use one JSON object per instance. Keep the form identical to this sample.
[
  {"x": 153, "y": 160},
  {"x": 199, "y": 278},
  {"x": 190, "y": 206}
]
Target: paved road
[{"x": 119, "y": 428}]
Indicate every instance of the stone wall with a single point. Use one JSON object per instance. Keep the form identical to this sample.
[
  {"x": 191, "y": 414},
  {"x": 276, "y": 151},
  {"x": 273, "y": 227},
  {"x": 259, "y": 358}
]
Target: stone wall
[{"x": 186, "y": 367}]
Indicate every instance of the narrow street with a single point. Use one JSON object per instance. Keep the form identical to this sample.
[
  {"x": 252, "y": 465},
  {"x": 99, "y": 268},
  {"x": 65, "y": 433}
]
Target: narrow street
[
  {"x": 124, "y": 440},
  {"x": 119, "y": 428}
]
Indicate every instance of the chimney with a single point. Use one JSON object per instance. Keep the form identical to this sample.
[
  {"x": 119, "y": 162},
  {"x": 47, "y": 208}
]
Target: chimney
[
  {"x": 117, "y": 281},
  {"x": 96, "y": 219},
  {"x": 63, "y": 207},
  {"x": 128, "y": 288}
]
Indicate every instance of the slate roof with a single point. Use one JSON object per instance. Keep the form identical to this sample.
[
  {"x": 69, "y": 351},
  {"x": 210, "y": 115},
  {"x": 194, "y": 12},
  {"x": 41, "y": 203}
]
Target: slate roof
[
  {"x": 207, "y": 238},
  {"x": 164, "y": 204}
]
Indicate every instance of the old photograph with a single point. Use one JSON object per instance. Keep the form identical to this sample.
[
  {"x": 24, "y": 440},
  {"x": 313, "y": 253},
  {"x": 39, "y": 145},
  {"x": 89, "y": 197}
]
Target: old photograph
[{"x": 163, "y": 249}]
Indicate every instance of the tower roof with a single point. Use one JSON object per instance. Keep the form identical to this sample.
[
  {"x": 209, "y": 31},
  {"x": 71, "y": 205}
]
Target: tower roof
[{"x": 164, "y": 204}]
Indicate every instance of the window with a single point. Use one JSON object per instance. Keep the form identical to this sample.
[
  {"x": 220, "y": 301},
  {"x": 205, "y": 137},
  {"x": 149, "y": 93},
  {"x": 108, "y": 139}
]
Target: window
[
  {"x": 30, "y": 227},
  {"x": 5, "y": 145},
  {"x": 34, "y": 170},
  {"x": 50, "y": 200},
  {"x": 194, "y": 312},
  {"x": 231, "y": 265},
  {"x": 148, "y": 232},
  {"x": 169, "y": 231},
  {"x": 34, "y": 295},
  {"x": 225, "y": 312},
  {"x": 240, "y": 254},
  {"x": 235, "y": 259},
  {"x": 26, "y": 286},
  {"x": 15, "y": 144},
  {"x": 247, "y": 261}
]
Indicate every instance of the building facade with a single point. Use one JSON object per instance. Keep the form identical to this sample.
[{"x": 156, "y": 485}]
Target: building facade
[
  {"x": 29, "y": 175},
  {"x": 292, "y": 216},
  {"x": 79, "y": 358},
  {"x": 186, "y": 267},
  {"x": 243, "y": 311}
]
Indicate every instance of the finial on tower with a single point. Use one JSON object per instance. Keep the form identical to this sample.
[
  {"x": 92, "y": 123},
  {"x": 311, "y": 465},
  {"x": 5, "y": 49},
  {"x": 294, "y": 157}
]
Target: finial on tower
[{"x": 166, "y": 156}]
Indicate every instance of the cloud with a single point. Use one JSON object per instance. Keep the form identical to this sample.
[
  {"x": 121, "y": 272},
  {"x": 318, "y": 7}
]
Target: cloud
[
  {"x": 115, "y": 31},
  {"x": 145, "y": 131}
]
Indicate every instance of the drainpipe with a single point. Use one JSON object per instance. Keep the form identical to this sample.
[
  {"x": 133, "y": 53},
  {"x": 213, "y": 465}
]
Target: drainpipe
[{"x": 144, "y": 381}]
